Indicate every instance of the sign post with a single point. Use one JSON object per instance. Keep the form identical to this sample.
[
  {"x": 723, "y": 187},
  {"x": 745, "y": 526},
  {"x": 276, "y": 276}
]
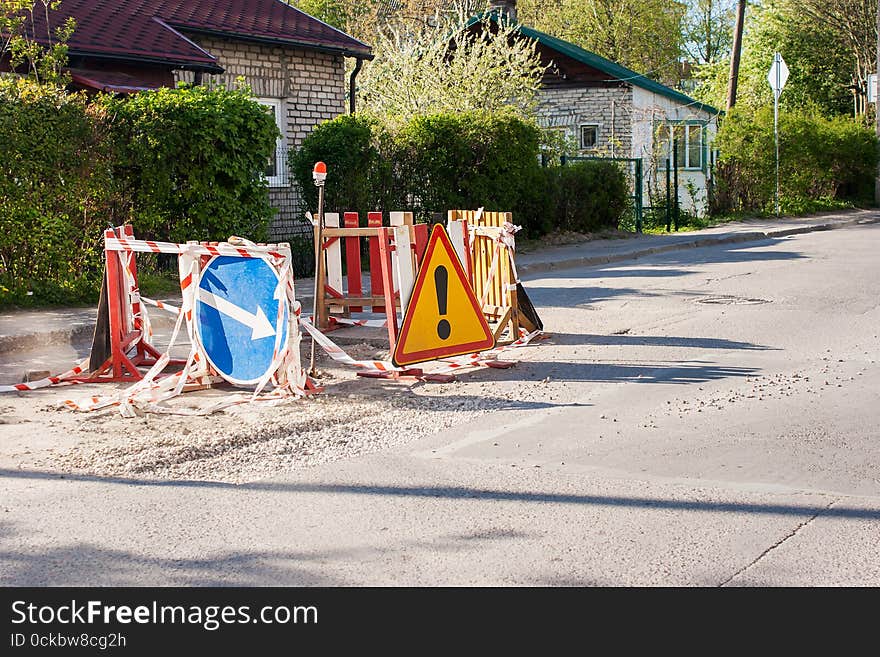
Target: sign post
[
  {"x": 777, "y": 77},
  {"x": 319, "y": 175}
]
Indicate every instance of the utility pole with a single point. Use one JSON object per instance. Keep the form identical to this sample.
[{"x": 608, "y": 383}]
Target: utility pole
[
  {"x": 735, "y": 55},
  {"x": 877, "y": 106}
]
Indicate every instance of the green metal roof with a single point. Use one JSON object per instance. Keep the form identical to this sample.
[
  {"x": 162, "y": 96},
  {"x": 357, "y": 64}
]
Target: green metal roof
[{"x": 605, "y": 65}]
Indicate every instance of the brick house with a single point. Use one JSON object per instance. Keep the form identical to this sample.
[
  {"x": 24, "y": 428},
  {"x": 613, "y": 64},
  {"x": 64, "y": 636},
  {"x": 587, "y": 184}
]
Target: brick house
[
  {"x": 608, "y": 110},
  {"x": 294, "y": 63}
]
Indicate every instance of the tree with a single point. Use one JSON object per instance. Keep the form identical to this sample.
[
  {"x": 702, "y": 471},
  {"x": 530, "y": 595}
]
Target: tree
[
  {"x": 820, "y": 62},
  {"x": 644, "y": 35},
  {"x": 442, "y": 67},
  {"x": 853, "y": 23},
  {"x": 707, "y": 30},
  {"x": 18, "y": 40}
]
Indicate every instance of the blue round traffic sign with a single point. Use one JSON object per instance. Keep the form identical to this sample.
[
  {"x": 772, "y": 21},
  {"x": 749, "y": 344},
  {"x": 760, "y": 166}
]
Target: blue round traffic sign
[{"x": 236, "y": 312}]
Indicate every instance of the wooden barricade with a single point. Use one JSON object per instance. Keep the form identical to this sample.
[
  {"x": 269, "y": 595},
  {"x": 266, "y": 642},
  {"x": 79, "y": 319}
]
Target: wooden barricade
[
  {"x": 496, "y": 290},
  {"x": 392, "y": 274}
]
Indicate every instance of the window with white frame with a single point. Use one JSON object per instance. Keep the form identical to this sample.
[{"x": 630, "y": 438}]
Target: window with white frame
[
  {"x": 687, "y": 145},
  {"x": 275, "y": 166},
  {"x": 589, "y": 135}
]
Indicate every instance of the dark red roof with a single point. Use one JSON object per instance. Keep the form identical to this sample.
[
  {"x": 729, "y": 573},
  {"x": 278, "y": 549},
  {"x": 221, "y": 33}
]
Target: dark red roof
[
  {"x": 112, "y": 81},
  {"x": 152, "y": 30}
]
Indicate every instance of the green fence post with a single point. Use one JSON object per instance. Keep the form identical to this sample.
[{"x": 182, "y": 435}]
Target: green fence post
[
  {"x": 675, "y": 215},
  {"x": 638, "y": 194},
  {"x": 668, "y": 209}
]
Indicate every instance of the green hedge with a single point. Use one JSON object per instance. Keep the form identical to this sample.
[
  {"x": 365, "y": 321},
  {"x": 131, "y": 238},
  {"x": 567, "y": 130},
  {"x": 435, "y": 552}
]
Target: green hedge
[
  {"x": 466, "y": 160},
  {"x": 56, "y": 194},
  {"x": 356, "y": 169},
  {"x": 180, "y": 164},
  {"x": 822, "y": 162},
  {"x": 193, "y": 159},
  {"x": 589, "y": 196}
]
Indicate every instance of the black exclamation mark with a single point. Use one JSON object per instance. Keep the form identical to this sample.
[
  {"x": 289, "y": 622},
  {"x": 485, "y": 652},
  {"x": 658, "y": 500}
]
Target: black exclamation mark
[{"x": 441, "y": 278}]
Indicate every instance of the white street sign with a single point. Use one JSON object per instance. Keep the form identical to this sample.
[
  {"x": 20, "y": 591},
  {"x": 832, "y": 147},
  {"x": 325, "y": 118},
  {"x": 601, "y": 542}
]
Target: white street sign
[
  {"x": 778, "y": 75},
  {"x": 872, "y": 88}
]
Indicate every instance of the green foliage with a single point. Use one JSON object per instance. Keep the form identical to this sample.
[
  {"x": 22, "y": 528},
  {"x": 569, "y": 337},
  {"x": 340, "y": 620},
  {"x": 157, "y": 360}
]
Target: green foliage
[
  {"x": 180, "y": 164},
  {"x": 18, "y": 41},
  {"x": 194, "y": 159},
  {"x": 644, "y": 35},
  {"x": 349, "y": 146},
  {"x": 468, "y": 160},
  {"x": 56, "y": 194},
  {"x": 823, "y": 162},
  {"x": 820, "y": 62},
  {"x": 587, "y": 197},
  {"x": 474, "y": 159},
  {"x": 337, "y": 13},
  {"x": 445, "y": 68}
]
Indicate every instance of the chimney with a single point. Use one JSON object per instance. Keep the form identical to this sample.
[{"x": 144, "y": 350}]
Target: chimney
[{"x": 506, "y": 9}]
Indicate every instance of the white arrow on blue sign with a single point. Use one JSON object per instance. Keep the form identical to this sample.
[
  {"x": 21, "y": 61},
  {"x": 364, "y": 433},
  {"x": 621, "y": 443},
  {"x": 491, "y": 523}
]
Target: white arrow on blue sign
[{"x": 235, "y": 315}]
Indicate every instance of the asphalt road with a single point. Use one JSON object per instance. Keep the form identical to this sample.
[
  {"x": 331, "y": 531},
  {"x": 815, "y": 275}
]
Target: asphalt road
[{"x": 703, "y": 417}]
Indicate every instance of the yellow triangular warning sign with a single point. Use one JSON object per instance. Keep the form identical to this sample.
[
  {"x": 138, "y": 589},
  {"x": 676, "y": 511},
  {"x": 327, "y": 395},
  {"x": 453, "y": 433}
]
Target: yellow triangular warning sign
[{"x": 444, "y": 317}]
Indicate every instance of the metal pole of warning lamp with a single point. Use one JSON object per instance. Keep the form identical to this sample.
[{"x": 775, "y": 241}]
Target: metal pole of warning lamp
[{"x": 319, "y": 175}]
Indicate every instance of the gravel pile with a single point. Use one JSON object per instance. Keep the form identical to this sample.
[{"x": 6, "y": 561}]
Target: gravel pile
[{"x": 252, "y": 441}]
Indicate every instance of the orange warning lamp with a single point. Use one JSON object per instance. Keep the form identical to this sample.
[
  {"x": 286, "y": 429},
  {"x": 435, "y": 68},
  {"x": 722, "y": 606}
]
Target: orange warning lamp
[{"x": 319, "y": 173}]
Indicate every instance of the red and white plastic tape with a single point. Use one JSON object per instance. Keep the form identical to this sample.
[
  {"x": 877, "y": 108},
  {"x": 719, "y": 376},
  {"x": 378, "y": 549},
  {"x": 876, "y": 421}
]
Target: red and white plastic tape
[
  {"x": 153, "y": 390},
  {"x": 49, "y": 380}
]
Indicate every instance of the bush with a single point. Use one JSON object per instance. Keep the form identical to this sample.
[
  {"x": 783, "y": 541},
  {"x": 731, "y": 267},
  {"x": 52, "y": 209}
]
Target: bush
[
  {"x": 356, "y": 171},
  {"x": 823, "y": 162},
  {"x": 469, "y": 160},
  {"x": 194, "y": 160},
  {"x": 589, "y": 196},
  {"x": 466, "y": 160},
  {"x": 180, "y": 164},
  {"x": 56, "y": 194}
]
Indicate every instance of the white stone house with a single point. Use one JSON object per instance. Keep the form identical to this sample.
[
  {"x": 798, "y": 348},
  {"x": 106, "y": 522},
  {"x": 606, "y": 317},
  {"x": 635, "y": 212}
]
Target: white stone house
[{"x": 608, "y": 110}]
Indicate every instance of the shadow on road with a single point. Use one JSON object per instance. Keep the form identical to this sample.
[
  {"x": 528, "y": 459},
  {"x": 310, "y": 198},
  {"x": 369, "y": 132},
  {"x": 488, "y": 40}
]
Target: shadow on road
[
  {"x": 670, "y": 264},
  {"x": 481, "y": 494},
  {"x": 650, "y": 372},
  {"x": 653, "y": 341}
]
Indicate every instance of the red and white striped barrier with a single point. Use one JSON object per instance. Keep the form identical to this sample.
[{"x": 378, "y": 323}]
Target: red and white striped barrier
[
  {"x": 152, "y": 392},
  {"x": 338, "y": 354},
  {"x": 49, "y": 380}
]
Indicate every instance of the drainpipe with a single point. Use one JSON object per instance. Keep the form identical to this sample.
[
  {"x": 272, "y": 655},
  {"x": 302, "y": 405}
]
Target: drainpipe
[{"x": 352, "y": 86}]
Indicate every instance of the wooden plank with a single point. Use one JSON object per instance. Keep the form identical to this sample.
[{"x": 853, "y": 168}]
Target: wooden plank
[
  {"x": 352, "y": 256},
  {"x": 350, "y": 231},
  {"x": 458, "y": 236},
  {"x": 502, "y": 325},
  {"x": 400, "y": 218},
  {"x": 358, "y": 301},
  {"x": 396, "y": 220},
  {"x": 388, "y": 286},
  {"x": 321, "y": 318},
  {"x": 333, "y": 255},
  {"x": 374, "y": 220},
  {"x": 421, "y": 239},
  {"x": 402, "y": 264}
]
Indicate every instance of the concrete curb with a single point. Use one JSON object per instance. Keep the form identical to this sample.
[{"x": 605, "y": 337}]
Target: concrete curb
[
  {"x": 701, "y": 241},
  {"x": 25, "y": 342}
]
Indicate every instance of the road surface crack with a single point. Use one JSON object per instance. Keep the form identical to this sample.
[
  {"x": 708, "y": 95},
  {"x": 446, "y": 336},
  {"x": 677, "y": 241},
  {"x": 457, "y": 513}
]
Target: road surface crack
[{"x": 791, "y": 534}]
